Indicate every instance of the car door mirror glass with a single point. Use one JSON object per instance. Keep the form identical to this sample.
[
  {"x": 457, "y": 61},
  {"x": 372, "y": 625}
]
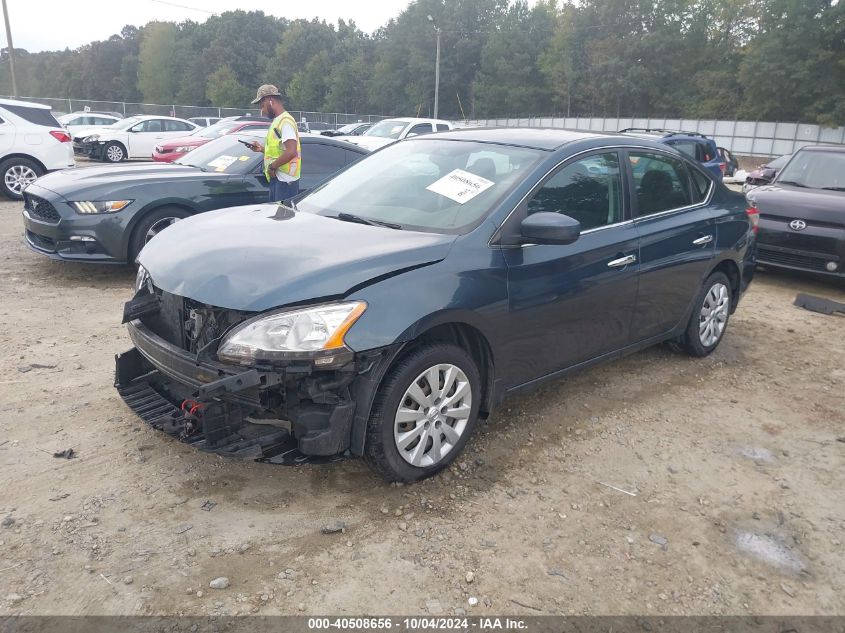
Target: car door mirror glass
[{"x": 550, "y": 228}]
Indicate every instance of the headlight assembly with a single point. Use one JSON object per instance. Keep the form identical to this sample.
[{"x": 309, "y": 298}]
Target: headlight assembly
[
  {"x": 142, "y": 278},
  {"x": 91, "y": 138},
  {"x": 307, "y": 333},
  {"x": 87, "y": 207},
  {"x": 184, "y": 148}
]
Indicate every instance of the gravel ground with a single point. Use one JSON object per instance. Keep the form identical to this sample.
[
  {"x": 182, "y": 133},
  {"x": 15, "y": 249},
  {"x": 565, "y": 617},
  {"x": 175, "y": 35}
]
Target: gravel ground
[{"x": 653, "y": 485}]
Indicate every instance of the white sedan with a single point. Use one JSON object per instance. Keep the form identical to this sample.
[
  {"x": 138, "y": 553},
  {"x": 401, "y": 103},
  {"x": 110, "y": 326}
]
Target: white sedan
[
  {"x": 76, "y": 121},
  {"x": 134, "y": 137},
  {"x": 392, "y": 130}
]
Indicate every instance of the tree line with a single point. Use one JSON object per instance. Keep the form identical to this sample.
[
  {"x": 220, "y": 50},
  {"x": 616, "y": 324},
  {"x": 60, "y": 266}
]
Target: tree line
[{"x": 781, "y": 60}]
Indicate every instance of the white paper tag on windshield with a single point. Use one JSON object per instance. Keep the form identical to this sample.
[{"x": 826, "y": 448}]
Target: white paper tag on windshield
[
  {"x": 460, "y": 186},
  {"x": 222, "y": 162}
]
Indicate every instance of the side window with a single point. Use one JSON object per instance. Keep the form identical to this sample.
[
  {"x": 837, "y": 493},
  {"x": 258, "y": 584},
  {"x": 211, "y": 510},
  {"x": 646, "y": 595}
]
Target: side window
[
  {"x": 176, "y": 126},
  {"x": 705, "y": 154},
  {"x": 319, "y": 159},
  {"x": 351, "y": 157},
  {"x": 442, "y": 127},
  {"x": 153, "y": 125},
  {"x": 661, "y": 182},
  {"x": 589, "y": 190},
  {"x": 700, "y": 185},
  {"x": 690, "y": 148},
  {"x": 421, "y": 128}
]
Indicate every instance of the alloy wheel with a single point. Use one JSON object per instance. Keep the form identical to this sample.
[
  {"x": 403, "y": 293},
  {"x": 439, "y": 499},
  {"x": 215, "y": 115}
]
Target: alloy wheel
[
  {"x": 714, "y": 314},
  {"x": 158, "y": 226},
  {"x": 432, "y": 415},
  {"x": 18, "y": 177},
  {"x": 114, "y": 153}
]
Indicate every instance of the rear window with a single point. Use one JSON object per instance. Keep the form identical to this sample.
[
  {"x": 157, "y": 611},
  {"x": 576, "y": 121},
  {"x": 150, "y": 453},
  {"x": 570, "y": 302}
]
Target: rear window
[{"x": 38, "y": 116}]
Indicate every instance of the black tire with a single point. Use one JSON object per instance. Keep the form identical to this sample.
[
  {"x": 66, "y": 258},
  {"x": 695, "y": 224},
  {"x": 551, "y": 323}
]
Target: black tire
[
  {"x": 143, "y": 228},
  {"x": 15, "y": 174},
  {"x": 381, "y": 451},
  {"x": 114, "y": 152},
  {"x": 691, "y": 341}
]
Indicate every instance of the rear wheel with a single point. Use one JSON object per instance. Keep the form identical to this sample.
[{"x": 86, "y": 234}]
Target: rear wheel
[
  {"x": 709, "y": 318},
  {"x": 151, "y": 225},
  {"x": 424, "y": 412},
  {"x": 16, "y": 174}
]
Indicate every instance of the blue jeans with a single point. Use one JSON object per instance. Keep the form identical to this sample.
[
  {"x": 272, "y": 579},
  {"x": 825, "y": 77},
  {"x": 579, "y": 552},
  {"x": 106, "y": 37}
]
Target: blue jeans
[{"x": 283, "y": 191}]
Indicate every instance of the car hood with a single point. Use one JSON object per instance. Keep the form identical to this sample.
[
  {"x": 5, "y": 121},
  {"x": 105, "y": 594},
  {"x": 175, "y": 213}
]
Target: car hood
[
  {"x": 81, "y": 131},
  {"x": 797, "y": 203},
  {"x": 80, "y": 180},
  {"x": 258, "y": 257},
  {"x": 367, "y": 142}
]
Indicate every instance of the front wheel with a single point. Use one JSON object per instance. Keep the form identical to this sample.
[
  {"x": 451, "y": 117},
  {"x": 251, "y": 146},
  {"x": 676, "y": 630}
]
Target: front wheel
[
  {"x": 114, "y": 153},
  {"x": 710, "y": 316},
  {"x": 17, "y": 174},
  {"x": 424, "y": 412},
  {"x": 151, "y": 225}
]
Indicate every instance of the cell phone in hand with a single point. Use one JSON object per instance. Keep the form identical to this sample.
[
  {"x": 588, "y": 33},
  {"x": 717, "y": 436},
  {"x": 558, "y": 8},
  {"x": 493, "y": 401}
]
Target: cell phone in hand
[{"x": 249, "y": 144}]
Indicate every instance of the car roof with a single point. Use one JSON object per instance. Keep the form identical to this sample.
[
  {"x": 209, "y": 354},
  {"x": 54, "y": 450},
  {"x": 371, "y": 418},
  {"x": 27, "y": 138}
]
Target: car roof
[
  {"x": 823, "y": 148},
  {"x": 536, "y": 138},
  {"x": 26, "y": 104},
  {"x": 410, "y": 119},
  {"x": 308, "y": 138}
]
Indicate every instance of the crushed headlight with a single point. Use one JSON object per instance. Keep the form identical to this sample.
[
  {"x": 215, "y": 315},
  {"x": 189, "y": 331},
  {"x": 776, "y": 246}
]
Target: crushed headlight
[
  {"x": 291, "y": 334},
  {"x": 142, "y": 278},
  {"x": 88, "y": 207}
]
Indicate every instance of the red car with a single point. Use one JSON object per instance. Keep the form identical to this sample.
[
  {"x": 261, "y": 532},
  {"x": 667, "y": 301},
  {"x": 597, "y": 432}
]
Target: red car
[{"x": 177, "y": 148}]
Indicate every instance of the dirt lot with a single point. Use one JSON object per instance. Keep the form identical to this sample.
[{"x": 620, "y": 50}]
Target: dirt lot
[{"x": 733, "y": 465}]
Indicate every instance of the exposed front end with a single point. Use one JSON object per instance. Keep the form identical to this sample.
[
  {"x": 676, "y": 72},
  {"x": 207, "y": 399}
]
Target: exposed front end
[{"x": 190, "y": 375}]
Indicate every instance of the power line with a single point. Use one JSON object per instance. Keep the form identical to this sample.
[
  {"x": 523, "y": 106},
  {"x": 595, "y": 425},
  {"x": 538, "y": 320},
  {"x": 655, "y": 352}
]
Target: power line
[{"x": 182, "y": 6}]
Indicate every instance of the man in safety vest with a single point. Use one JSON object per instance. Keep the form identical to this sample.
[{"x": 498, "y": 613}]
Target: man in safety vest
[{"x": 282, "y": 149}]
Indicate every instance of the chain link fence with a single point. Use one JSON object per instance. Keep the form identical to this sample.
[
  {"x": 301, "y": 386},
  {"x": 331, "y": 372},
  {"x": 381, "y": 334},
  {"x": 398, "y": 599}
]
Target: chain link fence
[{"x": 122, "y": 108}]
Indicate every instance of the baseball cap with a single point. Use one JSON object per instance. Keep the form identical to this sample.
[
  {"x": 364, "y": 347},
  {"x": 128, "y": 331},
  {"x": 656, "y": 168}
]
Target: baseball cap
[{"x": 267, "y": 90}]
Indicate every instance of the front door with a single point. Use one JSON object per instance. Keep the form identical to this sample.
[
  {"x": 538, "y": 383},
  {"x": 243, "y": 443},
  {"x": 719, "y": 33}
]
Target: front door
[
  {"x": 144, "y": 137},
  {"x": 572, "y": 303},
  {"x": 677, "y": 239}
]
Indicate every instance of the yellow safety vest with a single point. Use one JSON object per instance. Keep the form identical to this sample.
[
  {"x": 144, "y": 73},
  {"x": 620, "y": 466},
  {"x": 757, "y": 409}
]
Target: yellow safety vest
[{"x": 273, "y": 147}]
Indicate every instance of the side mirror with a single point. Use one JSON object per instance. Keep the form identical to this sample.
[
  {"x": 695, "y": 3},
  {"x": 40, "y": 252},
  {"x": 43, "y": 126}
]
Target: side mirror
[{"x": 550, "y": 228}]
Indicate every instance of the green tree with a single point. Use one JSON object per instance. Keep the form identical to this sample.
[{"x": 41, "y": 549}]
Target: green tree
[
  {"x": 157, "y": 78},
  {"x": 224, "y": 89}
]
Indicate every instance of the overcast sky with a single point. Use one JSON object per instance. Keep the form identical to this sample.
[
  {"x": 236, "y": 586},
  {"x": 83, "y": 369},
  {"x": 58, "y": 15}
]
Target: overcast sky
[{"x": 39, "y": 25}]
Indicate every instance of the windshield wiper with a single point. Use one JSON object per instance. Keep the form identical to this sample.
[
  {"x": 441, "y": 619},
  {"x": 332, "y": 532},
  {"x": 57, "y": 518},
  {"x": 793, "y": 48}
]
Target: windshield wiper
[
  {"x": 791, "y": 182},
  {"x": 348, "y": 217},
  {"x": 834, "y": 188}
]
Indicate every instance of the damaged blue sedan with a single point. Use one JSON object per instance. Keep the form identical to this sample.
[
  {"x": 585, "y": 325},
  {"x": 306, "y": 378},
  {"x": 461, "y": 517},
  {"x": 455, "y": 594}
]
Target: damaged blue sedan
[{"x": 392, "y": 308}]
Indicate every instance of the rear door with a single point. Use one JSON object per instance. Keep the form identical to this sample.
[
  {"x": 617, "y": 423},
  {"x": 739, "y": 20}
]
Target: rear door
[
  {"x": 677, "y": 234},
  {"x": 571, "y": 303}
]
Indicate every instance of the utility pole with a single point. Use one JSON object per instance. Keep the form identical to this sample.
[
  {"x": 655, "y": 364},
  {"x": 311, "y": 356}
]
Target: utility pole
[
  {"x": 12, "y": 50},
  {"x": 436, "y": 66}
]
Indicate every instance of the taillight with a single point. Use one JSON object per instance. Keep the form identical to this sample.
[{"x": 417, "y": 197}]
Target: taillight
[
  {"x": 723, "y": 167},
  {"x": 61, "y": 137},
  {"x": 754, "y": 217}
]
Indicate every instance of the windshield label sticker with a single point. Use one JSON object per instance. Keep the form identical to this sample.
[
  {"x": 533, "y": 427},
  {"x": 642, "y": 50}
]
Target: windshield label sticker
[
  {"x": 221, "y": 162},
  {"x": 460, "y": 186}
]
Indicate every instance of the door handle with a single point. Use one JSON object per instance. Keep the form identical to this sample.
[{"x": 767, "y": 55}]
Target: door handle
[
  {"x": 701, "y": 241},
  {"x": 622, "y": 261}
]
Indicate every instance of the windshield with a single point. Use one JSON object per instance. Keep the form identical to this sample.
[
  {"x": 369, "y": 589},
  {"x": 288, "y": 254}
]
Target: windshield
[
  {"x": 224, "y": 127},
  {"x": 815, "y": 170},
  {"x": 124, "y": 124},
  {"x": 426, "y": 185},
  {"x": 346, "y": 129},
  {"x": 225, "y": 155},
  {"x": 390, "y": 128},
  {"x": 779, "y": 162}
]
